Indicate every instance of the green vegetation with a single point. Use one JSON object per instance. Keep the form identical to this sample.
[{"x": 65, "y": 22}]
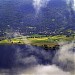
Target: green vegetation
[
  {"x": 50, "y": 41},
  {"x": 38, "y": 40}
]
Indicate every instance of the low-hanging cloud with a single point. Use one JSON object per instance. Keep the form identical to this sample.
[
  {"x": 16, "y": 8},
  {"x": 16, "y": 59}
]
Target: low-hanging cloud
[
  {"x": 74, "y": 5},
  {"x": 38, "y": 4},
  {"x": 30, "y": 60},
  {"x": 71, "y": 3},
  {"x": 44, "y": 70},
  {"x": 65, "y": 57}
]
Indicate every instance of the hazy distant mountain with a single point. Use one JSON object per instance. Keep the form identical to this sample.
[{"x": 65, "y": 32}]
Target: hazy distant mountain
[{"x": 20, "y": 15}]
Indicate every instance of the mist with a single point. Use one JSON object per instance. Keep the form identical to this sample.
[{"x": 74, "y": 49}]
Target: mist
[
  {"x": 71, "y": 3},
  {"x": 31, "y": 60},
  {"x": 38, "y": 4}
]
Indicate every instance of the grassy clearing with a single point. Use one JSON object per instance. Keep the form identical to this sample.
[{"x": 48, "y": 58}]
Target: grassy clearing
[
  {"x": 51, "y": 39},
  {"x": 38, "y": 41}
]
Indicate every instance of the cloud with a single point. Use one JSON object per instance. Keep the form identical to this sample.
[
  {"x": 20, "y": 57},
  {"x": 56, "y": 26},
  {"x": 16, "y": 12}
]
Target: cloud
[
  {"x": 45, "y": 70},
  {"x": 65, "y": 57},
  {"x": 38, "y": 60},
  {"x": 37, "y": 70},
  {"x": 38, "y": 4},
  {"x": 71, "y": 3},
  {"x": 74, "y": 5}
]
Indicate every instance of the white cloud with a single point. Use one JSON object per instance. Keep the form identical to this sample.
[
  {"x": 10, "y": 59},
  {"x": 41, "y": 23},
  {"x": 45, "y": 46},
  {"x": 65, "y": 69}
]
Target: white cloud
[
  {"x": 66, "y": 57},
  {"x": 72, "y": 3},
  {"x": 38, "y": 4},
  {"x": 45, "y": 70}
]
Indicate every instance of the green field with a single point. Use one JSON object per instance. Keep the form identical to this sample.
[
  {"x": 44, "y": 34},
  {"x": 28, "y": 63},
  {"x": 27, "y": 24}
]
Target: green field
[{"x": 38, "y": 40}]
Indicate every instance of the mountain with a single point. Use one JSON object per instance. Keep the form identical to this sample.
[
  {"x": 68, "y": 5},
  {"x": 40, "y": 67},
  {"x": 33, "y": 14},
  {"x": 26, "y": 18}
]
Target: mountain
[{"x": 19, "y": 15}]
